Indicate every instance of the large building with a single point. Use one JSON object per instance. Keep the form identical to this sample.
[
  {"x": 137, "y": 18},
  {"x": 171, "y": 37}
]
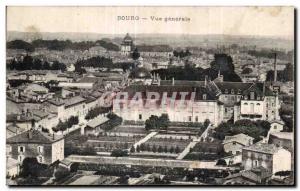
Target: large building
[
  {"x": 216, "y": 100},
  {"x": 45, "y": 147}
]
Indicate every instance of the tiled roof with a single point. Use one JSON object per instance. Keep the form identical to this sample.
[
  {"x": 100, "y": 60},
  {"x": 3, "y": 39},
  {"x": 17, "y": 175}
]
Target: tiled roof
[
  {"x": 97, "y": 121},
  {"x": 36, "y": 137},
  {"x": 73, "y": 101},
  {"x": 239, "y": 138},
  {"x": 263, "y": 148},
  {"x": 169, "y": 90},
  {"x": 283, "y": 135}
]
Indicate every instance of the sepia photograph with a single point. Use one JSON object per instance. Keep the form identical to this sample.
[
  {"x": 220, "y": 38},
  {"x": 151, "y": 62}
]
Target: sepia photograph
[{"x": 150, "y": 95}]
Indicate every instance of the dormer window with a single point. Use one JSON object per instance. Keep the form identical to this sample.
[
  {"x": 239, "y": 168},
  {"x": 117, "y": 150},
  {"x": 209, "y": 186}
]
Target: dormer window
[
  {"x": 258, "y": 97},
  {"x": 226, "y": 91},
  {"x": 239, "y": 91},
  {"x": 204, "y": 96}
]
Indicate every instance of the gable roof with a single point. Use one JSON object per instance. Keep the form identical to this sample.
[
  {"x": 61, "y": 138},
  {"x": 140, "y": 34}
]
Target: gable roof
[
  {"x": 34, "y": 136},
  {"x": 239, "y": 138},
  {"x": 97, "y": 121},
  {"x": 263, "y": 148}
]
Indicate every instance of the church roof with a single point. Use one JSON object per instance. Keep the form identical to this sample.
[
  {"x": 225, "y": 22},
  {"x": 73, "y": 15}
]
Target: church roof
[{"x": 127, "y": 38}]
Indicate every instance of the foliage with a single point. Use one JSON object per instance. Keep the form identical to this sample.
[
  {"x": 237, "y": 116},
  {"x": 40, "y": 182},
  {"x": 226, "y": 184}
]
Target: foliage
[
  {"x": 283, "y": 173},
  {"x": 61, "y": 173},
  {"x": 192, "y": 73},
  {"x": 108, "y": 45},
  {"x": 247, "y": 71},
  {"x": 86, "y": 150},
  {"x": 62, "y": 126},
  {"x": 221, "y": 162},
  {"x": 96, "y": 112},
  {"x": 182, "y": 53},
  {"x": 285, "y": 75},
  {"x": 32, "y": 168},
  {"x": 119, "y": 153},
  {"x": 254, "y": 129},
  {"x": 155, "y": 122},
  {"x": 20, "y": 44},
  {"x": 135, "y": 54},
  {"x": 28, "y": 63}
]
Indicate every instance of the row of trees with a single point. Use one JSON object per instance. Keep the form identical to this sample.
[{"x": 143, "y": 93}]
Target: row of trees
[
  {"x": 182, "y": 53},
  {"x": 154, "y": 148},
  {"x": 285, "y": 75},
  {"x": 222, "y": 63},
  {"x": 157, "y": 123},
  {"x": 62, "y": 126},
  {"x": 60, "y": 45},
  {"x": 96, "y": 111},
  {"x": 28, "y": 63}
]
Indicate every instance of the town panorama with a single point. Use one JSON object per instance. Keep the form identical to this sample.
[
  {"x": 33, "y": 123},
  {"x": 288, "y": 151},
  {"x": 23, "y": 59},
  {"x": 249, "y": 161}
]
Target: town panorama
[{"x": 125, "y": 111}]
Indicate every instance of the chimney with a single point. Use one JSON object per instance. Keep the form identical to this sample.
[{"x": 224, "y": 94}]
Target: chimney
[
  {"x": 53, "y": 136},
  {"x": 275, "y": 67},
  {"x": 205, "y": 81},
  {"x": 30, "y": 134},
  {"x": 173, "y": 81}
]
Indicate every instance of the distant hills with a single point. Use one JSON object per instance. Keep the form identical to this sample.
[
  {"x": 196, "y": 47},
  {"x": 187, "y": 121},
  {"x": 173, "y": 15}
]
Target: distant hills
[{"x": 173, "y": 40}]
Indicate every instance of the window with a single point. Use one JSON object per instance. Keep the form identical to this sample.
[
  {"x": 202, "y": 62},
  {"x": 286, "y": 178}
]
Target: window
[
  {"x": 256, "y": 163},
  {"x": 226, "y": 91},
  {"x": 21, "y": 158},
  {"x": 190, "y": 118},
  {"x": 40, "y": 159},
  {"x": 251, "y": 95},
  {"x": 40, "y": 149},
  {"x": 239, "y": 91},
  {"x": 225, "y": 110},
  {"x": 196, "y": 118},
  {"x": 232, "y": 91},
  {"x": 238, "y": 152},
  {"x": 234, "y": 143},
  {"x": 258, "y": 104},
  {"x": 245, "y": 103},
  {"x": 204, "y": 96},
  {"x": 21, "y": 149},
  {"x": 140, "y": 116},
  {"x": 275, "y": 126}
]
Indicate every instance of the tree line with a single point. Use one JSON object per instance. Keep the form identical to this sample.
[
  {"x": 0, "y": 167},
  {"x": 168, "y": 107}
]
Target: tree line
[
  {"x": 60, "y": 45},
  {"x": 29, "y": 63}
]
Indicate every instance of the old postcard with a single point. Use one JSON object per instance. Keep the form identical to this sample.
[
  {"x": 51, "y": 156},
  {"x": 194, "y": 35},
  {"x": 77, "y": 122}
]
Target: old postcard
[{"x": 200, "y": 96}]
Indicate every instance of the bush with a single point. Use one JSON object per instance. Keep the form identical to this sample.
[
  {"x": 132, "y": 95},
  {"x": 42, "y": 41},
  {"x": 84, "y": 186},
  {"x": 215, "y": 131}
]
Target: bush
[
  {"x": 61, "y": 173},
  {"x": 221, "y": 162},
  {"x": 119, "y": 153}
]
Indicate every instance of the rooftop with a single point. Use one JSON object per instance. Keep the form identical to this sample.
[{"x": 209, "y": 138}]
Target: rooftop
[
  {"x": 34, "y": 136},
  {"x": 97, "y": 121},
  {"x": 263, "y": 148}
]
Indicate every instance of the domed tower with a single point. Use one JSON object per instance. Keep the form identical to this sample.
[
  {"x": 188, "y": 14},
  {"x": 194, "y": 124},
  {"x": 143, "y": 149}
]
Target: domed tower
[{"x": 127, "y": 45}]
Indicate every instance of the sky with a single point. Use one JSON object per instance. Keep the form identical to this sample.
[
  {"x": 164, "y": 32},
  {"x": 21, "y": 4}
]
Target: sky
[{"x": 254, "y": 21}]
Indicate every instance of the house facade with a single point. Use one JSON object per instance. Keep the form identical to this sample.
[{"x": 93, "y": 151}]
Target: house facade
[{"x": 46, "y": 148}]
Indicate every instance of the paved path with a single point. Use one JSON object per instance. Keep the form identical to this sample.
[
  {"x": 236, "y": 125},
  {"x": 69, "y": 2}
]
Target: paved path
[
  {"x": 143, "y": 140},
  {"x": 193, "y": 143}
]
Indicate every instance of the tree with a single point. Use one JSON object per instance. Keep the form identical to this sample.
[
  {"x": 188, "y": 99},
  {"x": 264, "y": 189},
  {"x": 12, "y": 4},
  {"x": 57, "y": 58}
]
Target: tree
[
  {"x": 154, "y": 149},
  {"x": 247, "y": 71},
  {"x": 61, "y": 173},
  {"x": 177, "y": 149},
  {"x": 135, "y": 55},
  {"x": 132, "y": 149},
  {"x": 163, "y": 122},
  {"x": 221, "y": 162},
  {"x": 138, "y": 148},
  {"x": 119, "y": 153},
  {"x": 206, "y": 123},
  {"x": 171, "y": 149},
  {"x": 165, "y": 149},
  {"x": 160, "y": 149},
  {"x": 31, "y": 167}
]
